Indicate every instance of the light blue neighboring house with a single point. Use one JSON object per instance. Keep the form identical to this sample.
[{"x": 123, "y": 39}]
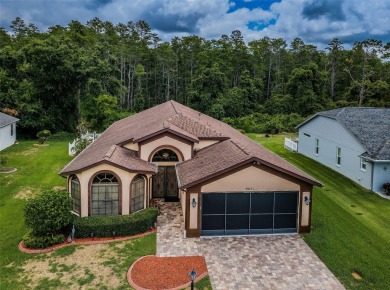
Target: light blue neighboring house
[
  {"x": 352, "y": 141},
  {"x": 7, "y": 130}
]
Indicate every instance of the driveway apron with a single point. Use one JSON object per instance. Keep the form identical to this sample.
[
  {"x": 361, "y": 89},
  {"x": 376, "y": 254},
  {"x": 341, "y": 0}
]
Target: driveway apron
[{"x": 251, "y": 262}]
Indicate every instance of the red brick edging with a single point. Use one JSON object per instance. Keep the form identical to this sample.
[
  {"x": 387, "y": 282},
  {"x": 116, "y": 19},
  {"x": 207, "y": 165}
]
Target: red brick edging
[
  {"x": 86, "y": 241},
  {"x": 136, "y": 287}
]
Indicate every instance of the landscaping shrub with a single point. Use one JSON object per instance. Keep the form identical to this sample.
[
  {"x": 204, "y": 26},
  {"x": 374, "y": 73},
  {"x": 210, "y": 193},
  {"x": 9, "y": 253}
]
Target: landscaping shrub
[
  {"x": 48, "y": 213},
  {"x": 105, "y": 226},
  {"x": 38, "y": 242},
  {"x": 62, "y": 136},
  {"x": 386, "y": 187},
  {"x": 43, "y": 135},
  {"x": 81, "y": 144}
]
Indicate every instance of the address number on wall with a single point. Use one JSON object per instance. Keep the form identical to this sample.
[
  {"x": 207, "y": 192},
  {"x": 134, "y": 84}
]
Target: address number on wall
[{"x": 249, "y": 188}]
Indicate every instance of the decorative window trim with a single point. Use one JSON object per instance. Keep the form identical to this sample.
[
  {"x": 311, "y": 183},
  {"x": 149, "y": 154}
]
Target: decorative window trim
[
  {"x": 165, "y": 155},
  {"x": 137, "y": 200},
  {"x": 363, "y": 164},
  {"x": 338, "y": 156}
]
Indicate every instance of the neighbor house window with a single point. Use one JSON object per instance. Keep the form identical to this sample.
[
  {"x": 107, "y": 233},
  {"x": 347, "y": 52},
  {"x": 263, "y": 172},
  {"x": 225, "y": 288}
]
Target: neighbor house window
[
  {"x": 363, "y": 164},
  {"x": 12, "y": 129},
  {"x": 105, "y": 195},
  {"x": 317, "y": 146},
  {"x": 338, "y": 156},
  {"x": 75, "y": 194},
  {"x": 137, "y": 194}
]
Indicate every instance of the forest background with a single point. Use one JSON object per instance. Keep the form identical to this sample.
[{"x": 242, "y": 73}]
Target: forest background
[{"x": 78, "y": 77}]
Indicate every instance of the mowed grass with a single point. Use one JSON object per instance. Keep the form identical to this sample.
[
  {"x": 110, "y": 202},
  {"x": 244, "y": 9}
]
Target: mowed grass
[
  {"x": 38, "y": 168},
  {"x": 350, "y": 225}
]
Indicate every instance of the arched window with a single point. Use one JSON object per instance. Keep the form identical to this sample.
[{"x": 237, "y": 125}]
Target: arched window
[
  {"x": 165, "y": 155},
  {"x": 75, "y": 193},
  {"x": 105, "y": 195},
  {"x": 137, "y": 194}
]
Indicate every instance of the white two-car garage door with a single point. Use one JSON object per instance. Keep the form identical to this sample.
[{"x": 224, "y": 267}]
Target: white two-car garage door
[{"x": 243, "y": 213}]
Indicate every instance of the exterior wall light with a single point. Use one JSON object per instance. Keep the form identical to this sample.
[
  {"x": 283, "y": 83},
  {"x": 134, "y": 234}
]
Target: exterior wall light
[
  {"x": 193, "y": 202},
  {"x": 307, "y": 200}
]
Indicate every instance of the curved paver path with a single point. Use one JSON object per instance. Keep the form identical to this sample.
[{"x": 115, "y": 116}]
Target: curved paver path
[{"x": 254, "y": 262}]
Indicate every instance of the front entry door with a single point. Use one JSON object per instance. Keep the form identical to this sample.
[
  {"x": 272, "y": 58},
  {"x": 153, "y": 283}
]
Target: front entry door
[{"x": 165, "y": 183}]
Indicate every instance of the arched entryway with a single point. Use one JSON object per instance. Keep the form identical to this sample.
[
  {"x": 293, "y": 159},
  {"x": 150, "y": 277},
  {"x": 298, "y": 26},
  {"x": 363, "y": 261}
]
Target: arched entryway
[{"x": 165, "y": 181}]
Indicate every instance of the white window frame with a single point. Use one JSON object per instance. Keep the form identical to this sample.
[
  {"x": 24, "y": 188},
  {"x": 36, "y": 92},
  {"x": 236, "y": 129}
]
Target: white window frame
[
  {"x": 317, "y": 146},
  {"x": 363, "y": 164},
  {"x": 338, "y": 156}
]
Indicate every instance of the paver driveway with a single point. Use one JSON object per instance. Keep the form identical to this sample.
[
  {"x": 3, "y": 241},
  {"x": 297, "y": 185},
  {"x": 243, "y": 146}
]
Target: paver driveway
[{"x": 256, "y": 262}]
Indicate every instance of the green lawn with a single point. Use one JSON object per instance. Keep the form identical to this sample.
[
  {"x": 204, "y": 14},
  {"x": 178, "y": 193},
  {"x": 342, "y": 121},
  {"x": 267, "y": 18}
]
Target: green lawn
[
  {"x": 38, "y": 169},
  {"x": 350, "y": 225}
]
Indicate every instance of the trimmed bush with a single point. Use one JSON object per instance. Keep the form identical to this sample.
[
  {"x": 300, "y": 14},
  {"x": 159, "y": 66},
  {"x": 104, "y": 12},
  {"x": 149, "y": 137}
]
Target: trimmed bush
[
  {"x": 122, "y": 225},
  {"x": 38, "y": 242},
  {"x": 43, "y": 135},
  {"x": 48, "y": 213}
]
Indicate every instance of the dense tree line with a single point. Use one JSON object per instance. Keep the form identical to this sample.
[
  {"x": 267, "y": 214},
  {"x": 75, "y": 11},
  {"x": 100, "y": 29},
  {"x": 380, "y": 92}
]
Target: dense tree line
[{"x": 87, "y": 76}]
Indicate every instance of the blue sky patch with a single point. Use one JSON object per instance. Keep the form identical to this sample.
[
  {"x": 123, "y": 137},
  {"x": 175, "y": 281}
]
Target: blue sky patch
[
  {"x": 260, "y": 25},
  {"x": 251, "y": 4}
]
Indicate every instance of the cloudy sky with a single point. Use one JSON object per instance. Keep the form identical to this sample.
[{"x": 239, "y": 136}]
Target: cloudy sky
[{"x": 315, "y": 21}]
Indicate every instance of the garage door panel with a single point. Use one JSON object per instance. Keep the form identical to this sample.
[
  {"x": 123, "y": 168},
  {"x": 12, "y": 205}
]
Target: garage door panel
[
  {"x": 286, "y": 202},
  {"x": 214, "y": 222},
  {"x": 285, "y": 221},
  {"x": 234, "y": 222},
  {"x": 265, "y": 221},
  {"x": 242, "y": 213},
  {"x": 262, "y": 202},
  {"x": 237, "y": 203},
  {"x": 214, "y": 203}
]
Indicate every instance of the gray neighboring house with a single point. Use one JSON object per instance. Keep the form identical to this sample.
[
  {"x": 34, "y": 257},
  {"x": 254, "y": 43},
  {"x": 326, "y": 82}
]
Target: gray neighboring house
[
  {"x": 7, "y": 130},
  {"x": 352, "y": 141}
]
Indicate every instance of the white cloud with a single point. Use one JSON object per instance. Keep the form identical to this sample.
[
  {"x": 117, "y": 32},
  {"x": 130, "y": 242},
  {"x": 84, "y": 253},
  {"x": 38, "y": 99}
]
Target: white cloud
[{"x": 346, "y": 19}]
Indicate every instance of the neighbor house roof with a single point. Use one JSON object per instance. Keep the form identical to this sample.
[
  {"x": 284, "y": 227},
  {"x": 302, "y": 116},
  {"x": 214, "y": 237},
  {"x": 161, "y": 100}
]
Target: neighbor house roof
[
  {"x": 6, "y": 120},
  {"x": 233, "y": 148},
  {"x": 370, "y": 126}
]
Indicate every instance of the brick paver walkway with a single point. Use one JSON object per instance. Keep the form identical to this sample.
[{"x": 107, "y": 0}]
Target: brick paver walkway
[{"x": 255, "y": 262}]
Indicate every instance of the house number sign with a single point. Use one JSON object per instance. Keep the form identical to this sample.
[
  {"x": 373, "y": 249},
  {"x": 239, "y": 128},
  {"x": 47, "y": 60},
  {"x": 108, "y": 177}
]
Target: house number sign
[{"x": 249, "y": 188}]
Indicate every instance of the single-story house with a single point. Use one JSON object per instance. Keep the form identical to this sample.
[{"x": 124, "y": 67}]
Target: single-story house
[
  {"x": 352, "y": 141},
  {"x": 226, "y": 183},
  {"x": 7, "y": 130}
]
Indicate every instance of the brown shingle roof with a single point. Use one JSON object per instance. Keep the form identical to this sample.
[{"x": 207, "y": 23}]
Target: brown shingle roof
[
  {"x": 195, "y": 128},
  {"x": 208, "y": 161},
  {"x": 187, "y": 123}
]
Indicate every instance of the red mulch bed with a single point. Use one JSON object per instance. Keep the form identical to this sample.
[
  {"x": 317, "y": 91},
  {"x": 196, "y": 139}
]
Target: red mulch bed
[{"x": 151, "y": 272}]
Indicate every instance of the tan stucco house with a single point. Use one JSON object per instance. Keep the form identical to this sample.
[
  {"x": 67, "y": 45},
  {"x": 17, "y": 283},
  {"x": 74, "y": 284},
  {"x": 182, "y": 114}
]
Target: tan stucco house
[{"x": 226, "y": 183}]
